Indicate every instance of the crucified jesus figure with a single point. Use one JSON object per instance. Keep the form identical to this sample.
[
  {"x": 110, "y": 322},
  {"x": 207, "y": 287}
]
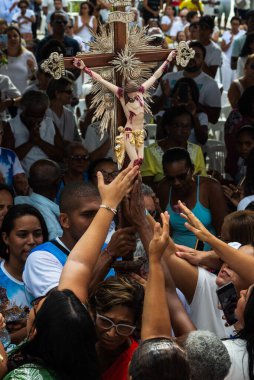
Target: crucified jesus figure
[{"x": 131, "y": 137}]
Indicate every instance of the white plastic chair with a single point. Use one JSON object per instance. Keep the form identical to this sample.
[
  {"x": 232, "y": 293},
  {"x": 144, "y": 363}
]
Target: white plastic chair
[{"x": 216, "y": 153}]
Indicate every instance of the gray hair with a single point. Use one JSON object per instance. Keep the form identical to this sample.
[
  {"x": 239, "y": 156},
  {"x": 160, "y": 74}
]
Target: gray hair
[
  {"x": 208, "y": 357},
  {"x": 147, "y": 191}
]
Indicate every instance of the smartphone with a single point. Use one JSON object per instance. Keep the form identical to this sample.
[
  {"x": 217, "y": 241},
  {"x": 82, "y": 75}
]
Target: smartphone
[
  {"x": 183, "y": 93},
  {"x": 199, "y": 246},
  {"x": 228, "y": 299}
]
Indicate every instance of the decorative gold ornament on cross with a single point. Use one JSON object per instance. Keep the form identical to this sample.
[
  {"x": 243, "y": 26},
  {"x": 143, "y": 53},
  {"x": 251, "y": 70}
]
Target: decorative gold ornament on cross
[{"x": 184, "y": 54}]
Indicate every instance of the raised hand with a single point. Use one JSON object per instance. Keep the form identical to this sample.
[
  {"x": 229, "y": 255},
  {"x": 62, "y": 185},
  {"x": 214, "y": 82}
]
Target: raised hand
[
  {"x": 78, "y": 63},
  {"x": 171, "y": 55},
  {"x": 160, "y": 239},
  {"x": 122, "y": 242},
  {"x": 193, "y": 224},
  {"x": 233, "y": 193},
  {"x": 133, "y": 205},
  {"x": 113, "y": 193}
]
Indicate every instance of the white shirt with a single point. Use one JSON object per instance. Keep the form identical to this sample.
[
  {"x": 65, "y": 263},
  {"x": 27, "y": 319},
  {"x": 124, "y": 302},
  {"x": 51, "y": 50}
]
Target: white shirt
[
  {"x": 5, "y": 6},
  {"x": 239, "y": 359},
  {"x": 24, "y": 28},
  {"x": 167, "y": 21},
  {"x": 17, "y": 69},
  {"x": 42, "y": 272},
  {"x": 21, "y": 136},
  {"x": 93, "y": 139},
  {"x": 65, "y": 123},
  {"x": 227, "y": 37},
  {"x": 213, "y": 55},
  {"x": 7, "y": 90},
  {"x": 244, "y": 202},
  {"x": 177, "y": 26},
  {"x": 204, "y": 306},
  {"x": 50, "y": 4},
  {"x": 209, "y": 93}
]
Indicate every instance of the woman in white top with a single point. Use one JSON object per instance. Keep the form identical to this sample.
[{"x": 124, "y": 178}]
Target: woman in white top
[
  {"x": 24, "y": 18},
  {"x": 167, "y": 20},
  {"x": 240, "y": 349},
  {"x": 238, "y": 86},
  {"x": 21, "y": 62},
  {"x": 85, "y": 22}
]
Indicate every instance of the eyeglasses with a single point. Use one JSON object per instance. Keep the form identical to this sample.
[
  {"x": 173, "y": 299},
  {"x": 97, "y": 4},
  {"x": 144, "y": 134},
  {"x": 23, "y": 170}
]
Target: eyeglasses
[
  {"x": 121, "y": 328},
  {"x": 80, "y": 157},
  {"x": 61, "y": 22},
  {"x": 180, "y": 177}
]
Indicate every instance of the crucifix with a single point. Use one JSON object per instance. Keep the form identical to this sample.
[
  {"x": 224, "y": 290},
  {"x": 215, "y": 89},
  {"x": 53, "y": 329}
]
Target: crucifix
[
  {"x": 122, "y": 59},
  {"x": 119, "y": 54}
]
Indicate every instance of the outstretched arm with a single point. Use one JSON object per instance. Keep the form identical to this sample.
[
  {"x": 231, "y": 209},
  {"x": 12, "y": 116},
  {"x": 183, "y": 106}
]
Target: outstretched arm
[
  {"x": 77, "y": 272},
  {"x": 156, "y": 319},
  {"x": 241, "y": 263},
  {"x": 158, "y": 73},
  {"x": 81, "y": 65}
]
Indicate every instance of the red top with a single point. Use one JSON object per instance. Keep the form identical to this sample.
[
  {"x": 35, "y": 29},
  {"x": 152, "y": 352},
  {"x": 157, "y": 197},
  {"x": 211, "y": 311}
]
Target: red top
[{"x": 119, "y": 369}]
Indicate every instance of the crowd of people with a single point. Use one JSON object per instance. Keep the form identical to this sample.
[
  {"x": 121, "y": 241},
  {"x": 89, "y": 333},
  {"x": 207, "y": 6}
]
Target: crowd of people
[{"x": 143, "y": 273}]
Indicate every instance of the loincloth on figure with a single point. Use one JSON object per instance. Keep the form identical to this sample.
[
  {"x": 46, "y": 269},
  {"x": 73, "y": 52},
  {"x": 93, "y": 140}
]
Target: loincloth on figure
[{"x": 135, "y": 137}]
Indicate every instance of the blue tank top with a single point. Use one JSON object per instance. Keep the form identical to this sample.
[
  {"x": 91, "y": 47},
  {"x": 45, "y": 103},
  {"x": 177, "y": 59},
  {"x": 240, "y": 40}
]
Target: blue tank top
[{"x": 180, "y": 233}]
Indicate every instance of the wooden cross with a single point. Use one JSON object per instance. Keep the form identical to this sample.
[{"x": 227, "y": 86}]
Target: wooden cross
[
  {"x": 103, "y": 60},
  {"x": 94, "y": 60}
]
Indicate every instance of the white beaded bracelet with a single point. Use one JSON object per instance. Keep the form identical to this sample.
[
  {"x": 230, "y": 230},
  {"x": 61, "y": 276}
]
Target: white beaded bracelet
[{"x": 114, "y": 210}]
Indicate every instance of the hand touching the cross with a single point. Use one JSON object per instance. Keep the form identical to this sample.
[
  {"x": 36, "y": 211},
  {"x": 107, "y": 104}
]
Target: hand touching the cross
[
  {"x": 79, "y": 63},
  {"x": 171, "y": 55}
]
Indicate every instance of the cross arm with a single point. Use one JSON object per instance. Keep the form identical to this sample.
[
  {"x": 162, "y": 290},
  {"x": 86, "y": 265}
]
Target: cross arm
[{"x": 95, "y": 60}]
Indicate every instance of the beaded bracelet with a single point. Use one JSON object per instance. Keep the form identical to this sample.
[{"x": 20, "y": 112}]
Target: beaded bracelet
[{"x": 114, "y": 210}]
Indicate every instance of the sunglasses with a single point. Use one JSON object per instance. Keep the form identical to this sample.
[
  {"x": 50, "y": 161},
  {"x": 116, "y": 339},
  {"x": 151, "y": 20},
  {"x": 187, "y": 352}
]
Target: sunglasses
[
  {"x": 80, "y": 157},
  {"x": 121, "y": 328},
  {"x": 180, "y": 177},
  {"x": 61, "y": 22}
]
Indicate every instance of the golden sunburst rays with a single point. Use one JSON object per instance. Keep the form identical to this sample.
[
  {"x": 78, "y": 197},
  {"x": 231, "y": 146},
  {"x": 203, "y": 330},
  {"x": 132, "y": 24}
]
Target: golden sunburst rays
[
  {"x": 104, "y": 104},
  {"x": 139, "y": 40},
  {"x": 103, "y": 41}
]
